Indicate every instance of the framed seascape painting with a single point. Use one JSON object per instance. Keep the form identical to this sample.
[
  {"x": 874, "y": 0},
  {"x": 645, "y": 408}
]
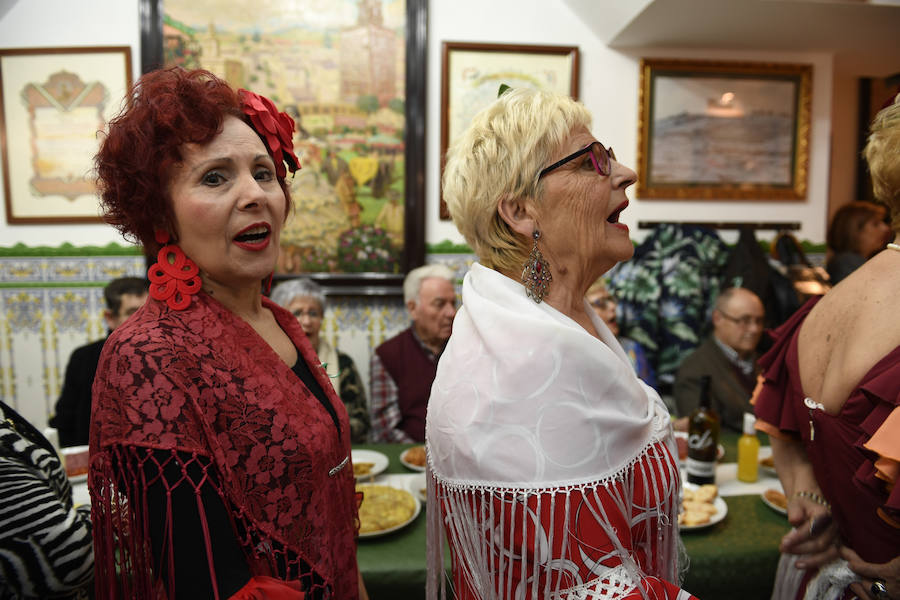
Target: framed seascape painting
[
  {"x": 351, "y": 74},
  {"x": 53, "y": 103},
  {"x": 472, "y": 73},
  {"x": 723, "y": 130}
]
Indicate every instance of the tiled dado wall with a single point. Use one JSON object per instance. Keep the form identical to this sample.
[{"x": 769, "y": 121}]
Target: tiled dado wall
[{"x": 51, "y": 305}]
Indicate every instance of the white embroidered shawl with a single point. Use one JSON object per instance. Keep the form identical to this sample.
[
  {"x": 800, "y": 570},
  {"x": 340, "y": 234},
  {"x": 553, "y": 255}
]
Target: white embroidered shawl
[{"x": 527, "y": 404}]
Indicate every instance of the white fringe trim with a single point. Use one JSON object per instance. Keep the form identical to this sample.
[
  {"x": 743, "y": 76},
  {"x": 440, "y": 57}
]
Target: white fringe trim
[{"x": 482, "y": 518}]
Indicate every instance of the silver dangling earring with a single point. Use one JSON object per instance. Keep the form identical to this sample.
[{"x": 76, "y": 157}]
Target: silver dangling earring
[{"x": 536, "y": 275}]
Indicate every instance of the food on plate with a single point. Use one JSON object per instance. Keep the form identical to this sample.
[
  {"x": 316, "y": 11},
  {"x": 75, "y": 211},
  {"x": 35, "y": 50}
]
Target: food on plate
[
  {"x": 384, "y": 507},
  {"x": 768, "y": 462},
  {"x": 415, "y": 456},
  {"x": 777, "y": 498},
  {"x": 691, "y": 518},
  {"x": 362, "y": 468},
  {"x": 697, "y": 505},
  {"x": 704, "y": 493}
]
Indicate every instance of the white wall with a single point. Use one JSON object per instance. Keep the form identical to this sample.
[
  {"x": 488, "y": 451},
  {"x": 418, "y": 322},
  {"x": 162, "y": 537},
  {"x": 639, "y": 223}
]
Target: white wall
[
  {"x": 54, "y": 23},
  {"x": 609, "y": 88}
]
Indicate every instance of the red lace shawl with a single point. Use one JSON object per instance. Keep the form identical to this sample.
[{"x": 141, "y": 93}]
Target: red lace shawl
[{"x": 202, "y": 383}]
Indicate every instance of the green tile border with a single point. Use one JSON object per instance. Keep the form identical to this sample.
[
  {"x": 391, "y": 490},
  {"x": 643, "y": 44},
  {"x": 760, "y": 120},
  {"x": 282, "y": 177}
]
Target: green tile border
[{"x": 66, "y": 249}]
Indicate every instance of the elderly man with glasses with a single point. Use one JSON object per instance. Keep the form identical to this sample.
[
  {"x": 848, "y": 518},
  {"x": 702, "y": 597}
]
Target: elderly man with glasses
[{"x": 728, "y": 356}]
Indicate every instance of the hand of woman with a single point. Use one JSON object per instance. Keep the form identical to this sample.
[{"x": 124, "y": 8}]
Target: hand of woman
[
  {"x": 887, "y": 574},
  {"x": 814, "y": 534}
]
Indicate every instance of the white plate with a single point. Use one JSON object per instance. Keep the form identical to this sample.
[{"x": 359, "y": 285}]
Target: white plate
[
  {"x": 78, "y": 478},
  {"x": 416, "y": 485},
  {"x": 379, "y": 460},
  {"x": 410, "y": 465},
  {"x": 412, "y": 518},
  {"x": 721, "y": 511},
  {"x": 766, "y": 452},
  {"x": 772, "y": 505}
]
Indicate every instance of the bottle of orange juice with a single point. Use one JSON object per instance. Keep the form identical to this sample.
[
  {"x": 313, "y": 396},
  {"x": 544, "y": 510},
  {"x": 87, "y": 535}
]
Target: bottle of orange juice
[{"x": 748, "y": 451}]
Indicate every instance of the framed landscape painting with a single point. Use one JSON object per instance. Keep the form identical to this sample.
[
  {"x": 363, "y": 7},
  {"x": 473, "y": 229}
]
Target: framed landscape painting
[
  {"x": 351, "y": 74},
  {"x": 472, "y": 73},
  {"x": 723, "y": 130},
  {"x": 53, "y": 103}
]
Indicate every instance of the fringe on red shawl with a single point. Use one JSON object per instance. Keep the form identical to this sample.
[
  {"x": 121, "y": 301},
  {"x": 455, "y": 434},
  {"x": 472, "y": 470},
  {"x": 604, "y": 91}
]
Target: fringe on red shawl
[{"x": 120, "y": 478}]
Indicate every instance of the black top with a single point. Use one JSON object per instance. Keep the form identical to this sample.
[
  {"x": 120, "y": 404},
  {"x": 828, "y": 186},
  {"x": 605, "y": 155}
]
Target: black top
[
  {"x": 301, "y": 370},
  {"x": 192, "y": 569},
  {"x": 73, "y": 408}
]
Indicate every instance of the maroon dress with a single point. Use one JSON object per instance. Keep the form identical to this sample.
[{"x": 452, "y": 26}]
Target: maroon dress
[
  {"x": 195, "y": 400},
  {"x": 865, "y": 506}
]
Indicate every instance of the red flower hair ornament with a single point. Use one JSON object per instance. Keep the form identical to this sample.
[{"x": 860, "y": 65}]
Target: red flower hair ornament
[{"x": 275, "y": 128}]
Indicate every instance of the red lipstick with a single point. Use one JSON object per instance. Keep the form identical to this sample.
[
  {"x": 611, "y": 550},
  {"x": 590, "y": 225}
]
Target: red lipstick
[{"x": 254, "y": 237}]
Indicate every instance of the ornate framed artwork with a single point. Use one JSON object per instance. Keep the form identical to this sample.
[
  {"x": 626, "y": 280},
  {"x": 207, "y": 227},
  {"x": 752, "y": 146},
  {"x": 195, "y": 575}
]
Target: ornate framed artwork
[
  {"x": 471, "y": 75},
  {"x": 713, "y": 130},
  {"x": 54, "y": 102},
  {"x": 352, "y": 75}
]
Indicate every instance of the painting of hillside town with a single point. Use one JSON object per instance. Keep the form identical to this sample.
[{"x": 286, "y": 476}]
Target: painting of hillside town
[{"x": 338, "y": 68}]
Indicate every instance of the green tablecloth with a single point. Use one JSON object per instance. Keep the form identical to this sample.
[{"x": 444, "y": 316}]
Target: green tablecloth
[
  {"x": 393, "y": 566},
  {"x": 734, "y": 559},
  {"x": 737, "y": 557}
]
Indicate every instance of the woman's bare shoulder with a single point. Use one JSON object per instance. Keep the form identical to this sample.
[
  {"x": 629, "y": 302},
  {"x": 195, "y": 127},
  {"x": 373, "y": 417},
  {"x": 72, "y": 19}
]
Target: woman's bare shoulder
[{"x": 846, "y": 334}]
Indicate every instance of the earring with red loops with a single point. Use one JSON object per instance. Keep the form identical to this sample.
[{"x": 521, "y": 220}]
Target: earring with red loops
[{"x": 174, "y": 279}]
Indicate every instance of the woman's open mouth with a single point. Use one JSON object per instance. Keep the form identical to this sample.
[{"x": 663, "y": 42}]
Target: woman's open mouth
[
  {"x": 614, "y": 217},
  {"x": 254, "y": 237}
]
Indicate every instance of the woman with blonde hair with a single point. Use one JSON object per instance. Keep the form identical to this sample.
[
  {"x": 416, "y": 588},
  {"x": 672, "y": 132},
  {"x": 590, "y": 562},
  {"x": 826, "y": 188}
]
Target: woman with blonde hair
[
  {"x": 830, "y": 403},
  {"x": 554, "y": 469}
]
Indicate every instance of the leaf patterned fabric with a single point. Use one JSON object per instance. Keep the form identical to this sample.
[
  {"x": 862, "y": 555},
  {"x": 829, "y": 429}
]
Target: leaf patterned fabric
[{"x": 667, "y": 290}]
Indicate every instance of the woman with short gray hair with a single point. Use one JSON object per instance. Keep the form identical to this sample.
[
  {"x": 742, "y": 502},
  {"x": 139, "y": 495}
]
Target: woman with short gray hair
[{"x": 305, "y": 299}]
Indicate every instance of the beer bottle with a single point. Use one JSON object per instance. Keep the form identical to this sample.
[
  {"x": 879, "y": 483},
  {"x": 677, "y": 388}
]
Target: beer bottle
[{"x": 703, "y": 439}]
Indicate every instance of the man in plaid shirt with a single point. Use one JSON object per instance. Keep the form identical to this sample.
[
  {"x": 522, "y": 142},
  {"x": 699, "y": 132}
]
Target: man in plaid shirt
[{"x": 403, "y": 367}]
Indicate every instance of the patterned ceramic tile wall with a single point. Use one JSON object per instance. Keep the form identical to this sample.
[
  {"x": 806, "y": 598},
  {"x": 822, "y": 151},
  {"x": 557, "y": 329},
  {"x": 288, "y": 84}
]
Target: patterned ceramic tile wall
[{"x": 49, "y": 306}]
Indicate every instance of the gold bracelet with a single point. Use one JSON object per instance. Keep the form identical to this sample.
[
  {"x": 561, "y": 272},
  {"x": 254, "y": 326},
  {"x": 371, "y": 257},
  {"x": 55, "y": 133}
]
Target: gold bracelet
[{"x": 812, "y": 496}]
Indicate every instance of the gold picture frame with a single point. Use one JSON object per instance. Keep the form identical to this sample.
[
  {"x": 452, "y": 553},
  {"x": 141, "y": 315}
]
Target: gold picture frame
[
  {"x": 54, "y": 102},
  {"x": 721, "y": 130},
  {"x": 354, "y": 82}
]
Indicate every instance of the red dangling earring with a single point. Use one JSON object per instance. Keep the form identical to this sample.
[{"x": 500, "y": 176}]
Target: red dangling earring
[
  {"x": 268, "y": 282},
  {"x": 173, "y": 282}
]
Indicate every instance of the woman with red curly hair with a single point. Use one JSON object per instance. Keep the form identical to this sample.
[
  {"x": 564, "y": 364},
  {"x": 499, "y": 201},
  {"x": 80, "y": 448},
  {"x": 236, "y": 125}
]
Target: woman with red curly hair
[{"x": 220, "y": 455}]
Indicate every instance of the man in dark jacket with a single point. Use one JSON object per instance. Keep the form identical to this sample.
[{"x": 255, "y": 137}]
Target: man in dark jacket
[
  {"x": 728, "y": 356},
  {"x": 73, "y": 408}
]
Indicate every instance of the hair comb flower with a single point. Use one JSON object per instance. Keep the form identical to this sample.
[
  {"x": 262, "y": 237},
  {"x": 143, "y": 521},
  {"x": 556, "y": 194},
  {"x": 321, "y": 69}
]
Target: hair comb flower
[{"x": 275, "y": 128}]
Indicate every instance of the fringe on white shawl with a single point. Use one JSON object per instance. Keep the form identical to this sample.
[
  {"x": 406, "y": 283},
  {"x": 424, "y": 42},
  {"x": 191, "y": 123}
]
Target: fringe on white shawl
[
  {"x": 471, "y": 524},
  {"x": 831, "y": 581}
]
